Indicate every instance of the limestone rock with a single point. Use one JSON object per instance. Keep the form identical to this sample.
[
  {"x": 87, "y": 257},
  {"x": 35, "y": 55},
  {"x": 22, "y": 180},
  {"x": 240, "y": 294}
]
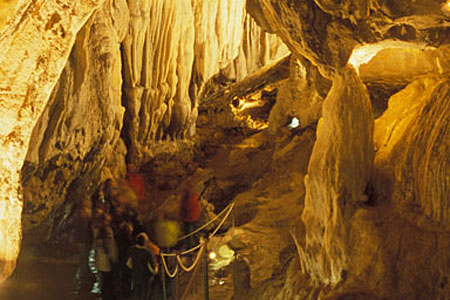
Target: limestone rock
[
  {"x": 81, "y": 123},
  {"x": 308, "y": 31},
  {"x": 400, "y": 63},
  {"x": 257, "y": 49},
  {"x": 412, "y": 163},
  {"x": 7, "y": 8},
  {"x": 300, "y": 96},
  {"x": 325, "y": 32},
  {"x": 169, "y": 57},
  {"x": 338, "y": 173},
  {"x": 35, "y": 48}
]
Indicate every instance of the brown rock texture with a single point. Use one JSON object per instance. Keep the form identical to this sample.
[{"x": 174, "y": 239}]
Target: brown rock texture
[
  {"x": 339, "y": 233},
  {"x": 80, "y": 126},
  {"x": 412, "y": 163},
  {"x": 326, "y": 32},
  {"x": 399, "y": 63},
  {"x": 338, "y": 173},
  {"x": 84, "y": 92},
  {"x": 7, "y": 8},
  {"x": 301, "y": 96},
  {"x": 35, "y": 48}
]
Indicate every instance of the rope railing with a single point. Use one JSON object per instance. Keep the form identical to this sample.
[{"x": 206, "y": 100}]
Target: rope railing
[
  {"x": 194, "y": 264},
  {"x": 223, "y": 221},
  {"x": 182, "y": 253},
  {"x": 230, "y": 206},
  {"x": 191, "y": 280},
  {"x": 200, "y": 246},
  {"x": 171, "y": 275}
]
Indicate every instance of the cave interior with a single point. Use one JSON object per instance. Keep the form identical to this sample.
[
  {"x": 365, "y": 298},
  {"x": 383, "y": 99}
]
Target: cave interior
[{"x": 314, "y": 134}]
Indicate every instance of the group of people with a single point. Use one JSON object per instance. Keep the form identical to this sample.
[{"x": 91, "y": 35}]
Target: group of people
[{"x": 126, "y": 260}]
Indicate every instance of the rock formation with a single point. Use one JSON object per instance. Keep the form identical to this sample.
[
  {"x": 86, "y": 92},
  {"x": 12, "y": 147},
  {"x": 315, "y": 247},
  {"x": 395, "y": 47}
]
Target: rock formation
[
  {"x": 169, "y": 58},
  {"x": 35, "y": 46},
  {"x": 412, "y": 142},
  {"x": 78, "y": 132},
  {"x": 81, "y": 123},
  {"x": 337, "y": 184}
]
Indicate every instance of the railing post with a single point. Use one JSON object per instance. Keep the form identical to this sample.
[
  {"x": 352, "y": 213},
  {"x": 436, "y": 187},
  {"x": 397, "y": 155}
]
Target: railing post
[
  {"x": 164, "y": 283},
  {"x": 206, "y": 284}
]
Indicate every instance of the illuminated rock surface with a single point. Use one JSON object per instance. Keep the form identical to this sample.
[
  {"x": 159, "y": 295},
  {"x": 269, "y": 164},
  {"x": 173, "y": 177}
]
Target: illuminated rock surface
[
  {"x": 412, "y": 163},
  {"x": 35, "y": 48},
  {"x": 341, "y": 207},
  {"x": 80, "y": 126}
]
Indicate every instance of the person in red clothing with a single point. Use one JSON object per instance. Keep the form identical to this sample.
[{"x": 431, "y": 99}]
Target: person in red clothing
[
  {"x": 135, "y": 181},
  {"x": 190, "y": 212}
]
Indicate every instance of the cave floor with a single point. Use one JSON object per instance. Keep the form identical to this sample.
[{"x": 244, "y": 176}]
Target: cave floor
[{"x": 40, "y": 278}]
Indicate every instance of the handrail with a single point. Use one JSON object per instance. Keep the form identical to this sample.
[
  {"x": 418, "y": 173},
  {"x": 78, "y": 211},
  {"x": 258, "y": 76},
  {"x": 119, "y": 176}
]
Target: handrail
[{"x": 206, "y": 224}]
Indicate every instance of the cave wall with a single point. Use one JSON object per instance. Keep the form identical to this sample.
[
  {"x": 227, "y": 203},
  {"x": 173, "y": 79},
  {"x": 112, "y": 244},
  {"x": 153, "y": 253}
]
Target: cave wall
[
  {"x": 338, "y": 172},
  {"x": 166, "y": 51},
  {"x": 36, "y": 45},
  {"x": 81, "y": 123},
  {"x": 412, "y": 162}
]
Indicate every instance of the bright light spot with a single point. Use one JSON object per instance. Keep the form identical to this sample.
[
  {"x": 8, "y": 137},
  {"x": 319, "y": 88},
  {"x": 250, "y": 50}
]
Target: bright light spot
[
  {"x": 212, "y": 255},
  {"x": 363, "y": 54},
  {"x": 294, "y": 123},
  {"x": 223, "y": 257},
  {"x": 446, "y": 7},
  {"x": 251, "y": 104}
]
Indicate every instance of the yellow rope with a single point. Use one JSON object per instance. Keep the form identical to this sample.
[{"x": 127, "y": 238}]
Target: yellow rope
[
  {"x": 188, "y": 269},
  {"x": 171, "y": 275},
  {"x": 192, "y": 277},
  {"x": 182, "y": 253},
  {"x": 223, "y": 221},
  {"x": 206, "y": 224},
  {"x": 201, "y": 246}
]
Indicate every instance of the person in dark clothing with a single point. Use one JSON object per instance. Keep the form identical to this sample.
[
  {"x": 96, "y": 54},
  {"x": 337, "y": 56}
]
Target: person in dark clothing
[
  {"x": 125, "y": 240},
  {"x": 142, "y": 263}
]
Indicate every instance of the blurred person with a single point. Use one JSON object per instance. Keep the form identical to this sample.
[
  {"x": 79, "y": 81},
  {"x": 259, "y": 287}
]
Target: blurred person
[
  {"x": 190, "y": 212},
  {"x": 143, "y": 264},
  {"x": 105, "y": 255},
  {"x": 124, "y": 238},
  {"x": 81, "y": 238},
  {"x": 136, "y": 182}
]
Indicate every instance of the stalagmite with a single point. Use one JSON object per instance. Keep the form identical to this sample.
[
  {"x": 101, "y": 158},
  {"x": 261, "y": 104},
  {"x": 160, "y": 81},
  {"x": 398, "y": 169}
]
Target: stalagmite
[{"x": 338, "y": 173}]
